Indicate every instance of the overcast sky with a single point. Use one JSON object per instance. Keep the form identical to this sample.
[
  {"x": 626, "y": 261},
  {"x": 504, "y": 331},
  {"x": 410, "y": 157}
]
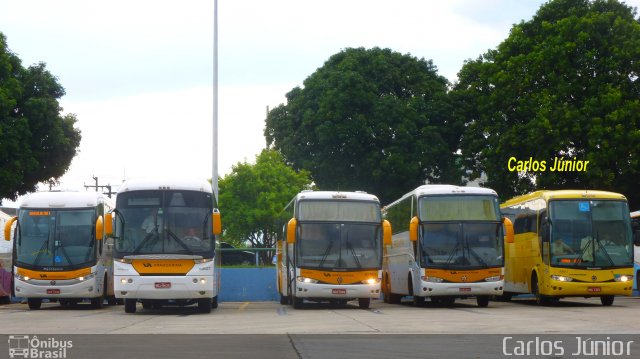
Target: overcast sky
[{"x": 138, "y": 73}]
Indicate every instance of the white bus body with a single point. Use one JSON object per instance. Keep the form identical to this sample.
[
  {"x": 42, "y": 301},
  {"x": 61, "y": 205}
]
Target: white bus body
[
  {"x": 447, "y": 243},
  {"x": 165, "y": 244},
  {"x": 60, "y": 249}
]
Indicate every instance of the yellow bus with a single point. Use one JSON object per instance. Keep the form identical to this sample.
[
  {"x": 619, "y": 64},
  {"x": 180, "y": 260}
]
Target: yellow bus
[
  {"x": 60, "y": 251},
  {"x": 331, "y": 248},
  {"x": 447, "y": 244},
  {"x": 569, "y": 243},
  {"x": 165, "y": 244}
]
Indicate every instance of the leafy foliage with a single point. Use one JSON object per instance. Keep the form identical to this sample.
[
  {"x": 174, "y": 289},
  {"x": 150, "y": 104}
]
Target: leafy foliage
[
  {"x": 564, "y": 84},
  {"x": 253, "y": 196},
  {"x": 372, "y": 120},
  {"x": 37, "y": 143}
]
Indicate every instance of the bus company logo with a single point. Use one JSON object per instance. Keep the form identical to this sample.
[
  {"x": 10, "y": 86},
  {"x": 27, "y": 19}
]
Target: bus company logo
[
  {"x": 25, "y": 346},
  {"x": 594, "y": 278},
  {"x": 43, "y": 276},
  {"x": 463, "y": 278},
  {"x": 339, "y": 280},
  {"x": 326, "y": 274},
  {"x": 147, "y": 265}
]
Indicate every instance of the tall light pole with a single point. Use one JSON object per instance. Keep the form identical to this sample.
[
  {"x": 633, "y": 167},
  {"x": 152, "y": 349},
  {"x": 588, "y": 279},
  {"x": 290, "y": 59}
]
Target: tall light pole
[{"x": 214, "y": 175}]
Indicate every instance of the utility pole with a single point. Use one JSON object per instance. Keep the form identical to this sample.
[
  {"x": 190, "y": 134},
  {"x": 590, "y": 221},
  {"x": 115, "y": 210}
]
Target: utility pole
[{"x": 108, "y": 192}]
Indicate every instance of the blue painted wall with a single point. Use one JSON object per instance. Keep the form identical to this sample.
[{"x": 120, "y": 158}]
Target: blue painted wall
[{"x": 248, "y": 285}]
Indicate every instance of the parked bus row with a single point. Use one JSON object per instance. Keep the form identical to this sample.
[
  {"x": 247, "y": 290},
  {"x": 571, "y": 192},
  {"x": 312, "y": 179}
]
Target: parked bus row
[{"x": 158, "y": 244}]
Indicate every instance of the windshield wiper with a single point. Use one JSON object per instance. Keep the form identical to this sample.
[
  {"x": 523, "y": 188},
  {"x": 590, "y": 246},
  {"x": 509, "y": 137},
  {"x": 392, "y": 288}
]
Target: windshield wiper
[
  {"x": 601, "y": 247},
  {"x": 326, "y": 253},
  {"x": 179, "y": 241},
  {"x": 452, "y": 253},
  {"x": 145, "y": 240},
  {"x": 353, "y": 253},
  {"x": 64, "y": 251},
  {"x": 477, "y": 256},
  {"x": 44, "y": 246}
]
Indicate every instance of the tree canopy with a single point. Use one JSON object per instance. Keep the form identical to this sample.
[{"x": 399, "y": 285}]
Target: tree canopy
[
  {"x": 369, "y": 119},
  {"x": 37, "y": 142},
  {"x": 253, "y": 196},
  {"x": 562, "y": 85}
]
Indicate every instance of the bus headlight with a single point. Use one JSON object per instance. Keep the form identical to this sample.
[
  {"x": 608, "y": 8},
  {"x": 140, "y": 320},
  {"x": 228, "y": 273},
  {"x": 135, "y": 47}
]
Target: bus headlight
[
  {"x": 432, "y": 279},
  {"x": 623, "y": 278},
  {"x": 561, "y": 278},
  {"x": 307, "y": 280},
  {"x": 90, "y": 276},
  {"x": 371, "y": 281},
  {"x": 495, "y": 278},
  {"x": 22, "y": 278}
]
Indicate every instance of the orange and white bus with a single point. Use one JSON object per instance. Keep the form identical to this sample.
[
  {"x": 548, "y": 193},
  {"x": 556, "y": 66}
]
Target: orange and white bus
[
  {"x": 331, "y": 248},
  {"x": 447, "y": 244},
  {"x": 165, "y": 244},
  {"x": 59, "y": 248},
  {"x": 569, "y": 243}
]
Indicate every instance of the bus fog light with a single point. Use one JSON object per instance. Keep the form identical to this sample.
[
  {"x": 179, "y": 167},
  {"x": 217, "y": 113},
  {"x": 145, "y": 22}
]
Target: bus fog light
[
  {"x": 203, "y": 281},
  {"x": 123, "y": 281},
  {"x": 124, "y": 292},
  {"x": 195, "y": 280},
  {"x": 130, "y": 280},
  {"x": 90, "y": 289}
]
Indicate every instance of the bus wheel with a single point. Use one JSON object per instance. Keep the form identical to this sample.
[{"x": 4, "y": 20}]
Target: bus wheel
[
  {"x": 214, "y": 302},
  {"x": 364, "y": 303},
  {"x": 297, "y": 302},
  {"x": 204, "y": 305},
  {"x": 483, "y": 301},
  {"x": 146, "y": 304},
  {"x": 284, "y": 299},
  {"x": 130, "y": 305},
  {"x": 607, "y": 300},
  {"x": 34, "y": 303},
  {"x": 540, "y": 299}
]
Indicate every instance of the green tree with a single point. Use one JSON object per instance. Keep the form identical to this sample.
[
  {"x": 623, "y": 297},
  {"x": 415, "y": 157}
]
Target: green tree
[
  {"x": 564, "y": 84},
  {"x": 37, "y": 142},
  {"x": 253, "y": 196},
  {"x": 372, "y": 120}
]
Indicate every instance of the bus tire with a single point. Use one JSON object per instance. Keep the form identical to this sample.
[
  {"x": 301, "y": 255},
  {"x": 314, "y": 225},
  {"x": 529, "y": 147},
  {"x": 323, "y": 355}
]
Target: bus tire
[
  {"x": 540, "y": 299},
  {"x": 607, "y": 300},
  {"x": 214, "y": 302},
  {"x": 364, "y": 303},
  {"x": 297, "y": 302},
  {"x": 130, "y": 305},
  {"x": 483, "y": 301},
  {"x": 284, "y": 299},
  {"x": 34, "y": 303},
  {"x": 204, "y": 305}
]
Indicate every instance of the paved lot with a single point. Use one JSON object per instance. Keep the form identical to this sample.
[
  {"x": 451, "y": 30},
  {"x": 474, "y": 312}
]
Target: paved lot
[{"x": 521, "y": 316}]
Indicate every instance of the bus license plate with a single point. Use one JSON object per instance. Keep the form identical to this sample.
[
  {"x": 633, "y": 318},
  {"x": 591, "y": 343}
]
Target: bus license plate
[
  {"x": 53, "y": 291},
  {"x": 465, "y": 290},
  {"x": 163, "y": 285},
  {"x": 338, "y": 291},
  {"x": 594, "y": 289}
]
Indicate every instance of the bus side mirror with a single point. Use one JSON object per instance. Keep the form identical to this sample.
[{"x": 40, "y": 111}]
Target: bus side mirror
[
  {"x": 291, "y": 231},
  {"x": 7, "y": 228},
  {"x": 108, "y": 224},
  {"x": 216, "y": 220},
  {"x": 99, "y": 228},
  {"x": 386, "y": 233},
  {"x": 508, "y": 230},
  {"x": 413, "y": 229},
  {"x": 546, "y": 230}
]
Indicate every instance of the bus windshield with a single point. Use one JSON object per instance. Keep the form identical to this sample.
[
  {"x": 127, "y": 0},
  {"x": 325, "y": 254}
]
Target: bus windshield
[
  {"x": 461, "y": 231},
  {"x": 56, "y": 238},
  {"x": 164, "y": 222},
  {"x": 339, "y": 245},
  {"x": 590, "y": 233}
]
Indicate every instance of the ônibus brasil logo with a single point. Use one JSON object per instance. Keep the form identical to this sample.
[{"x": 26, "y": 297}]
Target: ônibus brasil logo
[{"x": 25, "y": 346}]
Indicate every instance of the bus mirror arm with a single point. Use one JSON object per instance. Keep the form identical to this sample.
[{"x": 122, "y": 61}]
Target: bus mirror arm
[
  {"x": 636, "y": 237},
  {"x": 7, "y": 228},
  {"x": 292, "y": 227},
  {"x": 508, "y": 230}
]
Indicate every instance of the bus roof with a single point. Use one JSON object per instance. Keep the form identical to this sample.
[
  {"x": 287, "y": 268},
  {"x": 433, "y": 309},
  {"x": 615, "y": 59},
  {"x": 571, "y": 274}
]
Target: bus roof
[
  {"x": 166, "y": 184},
  {"x": 435, "y": 189},
  {"x": 564, "y": 194},
  {"x": 63, "y": 199},
  {"x": 358, "y": 196}
]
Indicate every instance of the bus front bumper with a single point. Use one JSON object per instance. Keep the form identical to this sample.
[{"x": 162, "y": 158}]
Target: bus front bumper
[
  {"x": 428, "y": 289},
  {"x": 585, "y": 289},
  {"x": 57, "y": 288},
  {"x": 163, "y": 287},
  {"x": 337, "y": 291}
]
